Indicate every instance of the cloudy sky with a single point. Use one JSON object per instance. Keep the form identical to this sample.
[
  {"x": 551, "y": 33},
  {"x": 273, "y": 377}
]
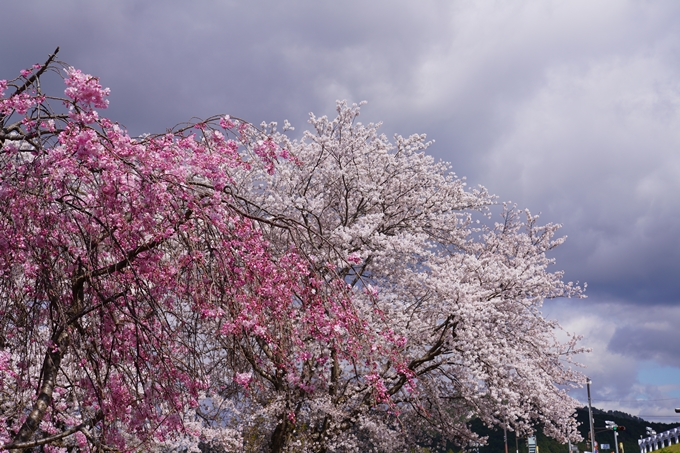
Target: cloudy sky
[{"x": 568, "y": 108}]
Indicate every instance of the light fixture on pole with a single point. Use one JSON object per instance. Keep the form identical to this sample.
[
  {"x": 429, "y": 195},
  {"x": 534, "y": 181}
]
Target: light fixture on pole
[{"x": 616, "y": 428}]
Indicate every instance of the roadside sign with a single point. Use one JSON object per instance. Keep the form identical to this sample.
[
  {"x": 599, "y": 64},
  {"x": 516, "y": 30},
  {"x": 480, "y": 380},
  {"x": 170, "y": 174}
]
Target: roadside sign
[{"x": 531, "y": 443}]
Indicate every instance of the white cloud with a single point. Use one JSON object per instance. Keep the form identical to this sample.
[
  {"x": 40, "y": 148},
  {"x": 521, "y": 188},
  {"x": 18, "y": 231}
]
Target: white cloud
[{"x": 634, "y": 362}]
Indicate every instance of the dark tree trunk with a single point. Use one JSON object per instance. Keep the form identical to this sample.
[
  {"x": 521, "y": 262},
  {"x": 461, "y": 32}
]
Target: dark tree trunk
[
  {"x": 280, "y": 435},
  {"x": 50, "y": 370}
]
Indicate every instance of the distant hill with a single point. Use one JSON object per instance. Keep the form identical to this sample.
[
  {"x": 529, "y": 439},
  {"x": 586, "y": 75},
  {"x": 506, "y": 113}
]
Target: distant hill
[{"x": 635, "y": 427}]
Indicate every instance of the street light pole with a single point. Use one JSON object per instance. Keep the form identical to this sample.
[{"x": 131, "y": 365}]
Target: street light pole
[
  {"x": 616, "y": 441},
  {"x": 616, "y": 428},
  {"x": 590, "y": 416}
]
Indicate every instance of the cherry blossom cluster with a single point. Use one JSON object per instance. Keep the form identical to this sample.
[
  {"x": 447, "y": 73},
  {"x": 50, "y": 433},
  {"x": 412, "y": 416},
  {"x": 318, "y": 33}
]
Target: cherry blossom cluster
[{"x": 85, "y": 90}]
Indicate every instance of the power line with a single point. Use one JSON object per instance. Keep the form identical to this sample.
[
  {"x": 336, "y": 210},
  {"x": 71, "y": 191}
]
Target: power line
[
  {"x": 634, "y": 401},
  {"x": 659, "y": 416}
]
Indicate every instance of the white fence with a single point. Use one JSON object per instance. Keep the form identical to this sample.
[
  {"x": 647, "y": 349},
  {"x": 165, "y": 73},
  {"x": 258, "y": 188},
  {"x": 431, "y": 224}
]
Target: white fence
[{"x": 661, "y": 440}]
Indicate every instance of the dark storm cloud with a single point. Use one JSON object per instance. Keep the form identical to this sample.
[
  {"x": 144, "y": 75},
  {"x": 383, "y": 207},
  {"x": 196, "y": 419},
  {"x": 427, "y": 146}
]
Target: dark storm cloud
[
  {"x": 166, "y": 61},
  {"x": 657, "y": 340}
]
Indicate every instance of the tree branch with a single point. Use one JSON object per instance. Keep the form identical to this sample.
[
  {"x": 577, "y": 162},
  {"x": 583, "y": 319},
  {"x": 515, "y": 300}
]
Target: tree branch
[{"x": 46, "y": 440}]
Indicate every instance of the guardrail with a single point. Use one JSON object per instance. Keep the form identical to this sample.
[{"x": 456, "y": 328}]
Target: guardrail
[{"x": 661, "y": 440}]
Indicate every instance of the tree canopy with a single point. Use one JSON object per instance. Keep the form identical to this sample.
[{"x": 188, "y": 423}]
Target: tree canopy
[{"x": 225, "y": 286}]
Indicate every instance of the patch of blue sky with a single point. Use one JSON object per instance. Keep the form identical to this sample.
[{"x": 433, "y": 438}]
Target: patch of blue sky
[{"x": 667, "y": 378}]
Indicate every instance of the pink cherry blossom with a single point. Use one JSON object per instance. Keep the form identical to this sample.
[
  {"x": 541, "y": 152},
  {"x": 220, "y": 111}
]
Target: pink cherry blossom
[
  {"x": 354, "y": 257},
  {"x": 85, "y": 89}
]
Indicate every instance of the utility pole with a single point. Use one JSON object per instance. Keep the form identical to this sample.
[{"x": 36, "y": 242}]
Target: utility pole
[
  {"x": 505, "y": 438},
  {"x": 590, "y": 416}
]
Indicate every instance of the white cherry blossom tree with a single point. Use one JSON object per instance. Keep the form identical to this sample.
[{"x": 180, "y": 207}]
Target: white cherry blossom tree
[{"x": 453, "y": 306}]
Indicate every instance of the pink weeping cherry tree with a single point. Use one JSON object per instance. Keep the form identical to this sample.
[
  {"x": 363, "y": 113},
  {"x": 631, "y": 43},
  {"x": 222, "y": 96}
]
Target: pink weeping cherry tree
[
  {"x": 133, "y": 287},
  {"x": 221, "y": 287}
]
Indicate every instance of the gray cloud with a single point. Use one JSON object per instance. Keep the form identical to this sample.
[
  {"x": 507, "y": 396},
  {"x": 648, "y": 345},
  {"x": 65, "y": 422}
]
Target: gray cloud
[
  {"x": 598, "y": 150},
  {"x": 657, "y": 340}
]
